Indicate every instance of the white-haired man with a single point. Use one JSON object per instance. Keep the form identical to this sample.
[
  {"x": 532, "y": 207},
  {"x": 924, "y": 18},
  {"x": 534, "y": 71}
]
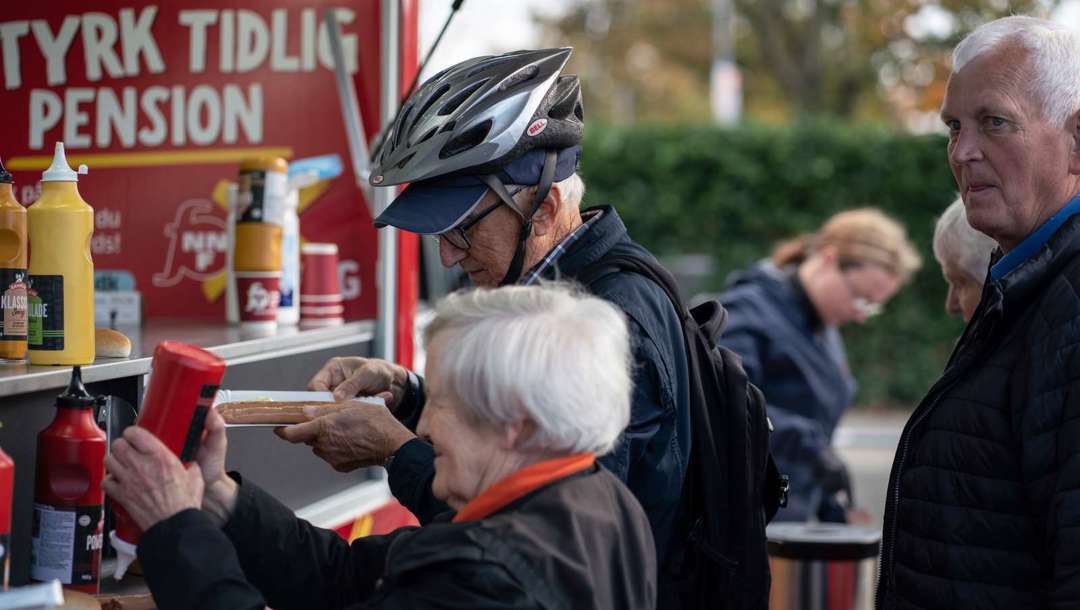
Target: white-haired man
[
  {"x": 489, "y": 148},
  {"x": 983, "y": 508}
]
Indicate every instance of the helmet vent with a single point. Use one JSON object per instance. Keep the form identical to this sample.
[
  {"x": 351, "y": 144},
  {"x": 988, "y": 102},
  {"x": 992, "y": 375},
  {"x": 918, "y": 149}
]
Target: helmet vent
[
  {"x": 441, "y": 91},
  {"x": 525, "y": 74},
  {"x": 427, "y": 136},
  {"x": 449, "y": 126},
  {"x": 459, "y": 98},
  {"x": 405, "y": 161},
  {"x": 401, "y": 126},
  {"x": 470, "y": 138},
  {"x": 487, "y": 65}
]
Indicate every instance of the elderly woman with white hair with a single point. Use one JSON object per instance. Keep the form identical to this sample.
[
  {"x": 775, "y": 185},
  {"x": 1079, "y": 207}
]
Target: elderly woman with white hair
[
  {"x": 526, "y": 386},
  {"x": 964, "y": 256}
]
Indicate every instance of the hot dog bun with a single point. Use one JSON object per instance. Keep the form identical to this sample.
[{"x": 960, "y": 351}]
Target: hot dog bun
[{"x": 270, "y": 412}]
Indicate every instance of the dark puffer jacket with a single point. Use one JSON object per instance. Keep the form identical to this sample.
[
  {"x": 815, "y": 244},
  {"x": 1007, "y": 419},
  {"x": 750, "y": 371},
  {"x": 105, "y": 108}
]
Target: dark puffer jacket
[
  {"x": 984, "y": 499},
  {"x": 579, "y": 542},
  {"x": 801, "y": 366}
]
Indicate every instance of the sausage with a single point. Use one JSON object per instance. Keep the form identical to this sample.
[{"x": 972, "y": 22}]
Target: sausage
[{"x": 270, "y": 412}]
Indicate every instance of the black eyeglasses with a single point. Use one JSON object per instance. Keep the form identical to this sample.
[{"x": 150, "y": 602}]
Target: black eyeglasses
[
  {"x": 459, "y": 237},
  {"x": 863, "y": 305}
]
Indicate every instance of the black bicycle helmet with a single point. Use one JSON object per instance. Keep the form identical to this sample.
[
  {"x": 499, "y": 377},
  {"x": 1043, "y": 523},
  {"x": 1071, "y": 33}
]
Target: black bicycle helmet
[{"x": 477, "y": 116}]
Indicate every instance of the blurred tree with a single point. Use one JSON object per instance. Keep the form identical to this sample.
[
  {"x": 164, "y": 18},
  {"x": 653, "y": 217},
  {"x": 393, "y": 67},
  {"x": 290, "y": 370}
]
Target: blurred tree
[{"x": 868, "y": 59}]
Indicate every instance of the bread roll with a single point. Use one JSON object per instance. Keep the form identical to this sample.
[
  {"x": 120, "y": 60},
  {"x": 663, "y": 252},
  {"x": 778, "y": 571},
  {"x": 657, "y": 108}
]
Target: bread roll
[
  {"x": 128, "y": 602},
  {"x": 76, "y": 600},
  {"x": 284, "y": 413},
  {"x": 110, "y": 343}
]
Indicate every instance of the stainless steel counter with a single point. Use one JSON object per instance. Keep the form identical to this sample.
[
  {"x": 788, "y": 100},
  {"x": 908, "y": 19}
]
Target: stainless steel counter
[
  {"x": 234, "y": 344},
  {"x": 283, "y": 360}
]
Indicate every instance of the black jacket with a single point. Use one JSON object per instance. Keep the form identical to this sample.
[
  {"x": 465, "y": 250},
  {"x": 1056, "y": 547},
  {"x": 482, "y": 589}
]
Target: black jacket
[
  {"x": 652, "y": 455},
  {"x": 580, "y": 542},
  {"x": 984, "y": 499},
  {"x": 801, "y": 366}
]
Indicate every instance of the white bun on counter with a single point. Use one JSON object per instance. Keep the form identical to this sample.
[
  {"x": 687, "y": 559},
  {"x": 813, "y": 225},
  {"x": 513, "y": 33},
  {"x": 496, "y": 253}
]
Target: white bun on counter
[{"x": 110, "y": 343}]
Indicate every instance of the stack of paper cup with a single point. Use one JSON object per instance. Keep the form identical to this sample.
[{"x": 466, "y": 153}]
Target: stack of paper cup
[{"x": 320, "y": 290}]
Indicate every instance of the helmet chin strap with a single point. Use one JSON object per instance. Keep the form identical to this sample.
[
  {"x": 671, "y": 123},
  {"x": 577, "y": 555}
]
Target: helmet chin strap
[{"x": 547, "y": 178}]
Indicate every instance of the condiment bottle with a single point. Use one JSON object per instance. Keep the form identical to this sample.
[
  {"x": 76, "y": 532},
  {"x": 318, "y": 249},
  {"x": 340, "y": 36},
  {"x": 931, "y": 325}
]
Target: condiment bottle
[
  {"x": 13, "y": 319},
  {"x": 68, "y": 524},
  {"x": 61, "y": 291}
]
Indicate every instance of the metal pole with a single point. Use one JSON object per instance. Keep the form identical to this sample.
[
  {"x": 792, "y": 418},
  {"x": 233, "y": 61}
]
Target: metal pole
[
  {"x": 350, "y": 107},
  {"x": 385, "y": 336},
  {"x": 725, "y": 82}
]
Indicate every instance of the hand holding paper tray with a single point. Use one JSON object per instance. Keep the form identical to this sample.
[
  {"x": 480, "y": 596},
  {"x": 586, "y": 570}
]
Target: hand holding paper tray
[{"x": 265, "y": 408}]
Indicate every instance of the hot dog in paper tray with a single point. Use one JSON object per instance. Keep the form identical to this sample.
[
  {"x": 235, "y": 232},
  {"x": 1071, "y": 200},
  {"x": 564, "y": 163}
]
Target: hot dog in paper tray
[{"x": 273, "y": 408}]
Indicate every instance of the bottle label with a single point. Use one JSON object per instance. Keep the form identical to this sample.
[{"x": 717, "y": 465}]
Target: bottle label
[
  {"x": 13, "y": 305},
  {"x": 5, "y": 559},
  {"x": 66, "y": 544},
  {"x": 46, "y": 312}
]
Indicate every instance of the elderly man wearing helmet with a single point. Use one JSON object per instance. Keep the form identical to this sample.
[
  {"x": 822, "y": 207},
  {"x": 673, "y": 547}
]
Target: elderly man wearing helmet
[{"x": 489, "y": 148}]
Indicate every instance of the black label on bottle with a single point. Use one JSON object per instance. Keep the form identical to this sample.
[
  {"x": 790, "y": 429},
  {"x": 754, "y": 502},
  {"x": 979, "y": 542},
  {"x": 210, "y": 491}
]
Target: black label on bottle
[
  {"x": 252, "y": 196},
  {"x": 46, "y": 312},
  {"x": 66, "y": 544},
  {"x": 198, "y": 421},
  {"x": 13, "y": 305},
  {"x": 5, "y": 559}
]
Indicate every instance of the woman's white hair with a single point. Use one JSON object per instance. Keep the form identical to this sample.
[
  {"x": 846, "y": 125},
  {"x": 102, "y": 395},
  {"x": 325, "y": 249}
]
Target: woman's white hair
[
  {"x": 1055, "y": 59},
  {"x": 956, "y": 242},
  {"x": 544, "y": 354}
]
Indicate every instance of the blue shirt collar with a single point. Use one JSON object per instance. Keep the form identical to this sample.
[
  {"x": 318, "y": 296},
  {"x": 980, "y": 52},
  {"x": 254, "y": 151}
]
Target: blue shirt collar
[{"x": 1035, "y": 241}]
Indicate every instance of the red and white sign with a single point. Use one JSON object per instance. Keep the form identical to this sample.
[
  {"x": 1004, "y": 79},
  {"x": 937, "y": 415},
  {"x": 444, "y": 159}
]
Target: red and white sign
[{"x": 163, "y": 100}]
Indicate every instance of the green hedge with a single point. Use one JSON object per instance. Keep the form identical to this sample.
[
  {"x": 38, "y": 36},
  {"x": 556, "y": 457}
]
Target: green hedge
[{"x": 732, "y": 193}]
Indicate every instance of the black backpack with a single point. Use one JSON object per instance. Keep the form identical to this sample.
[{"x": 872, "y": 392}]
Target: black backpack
[{"x": 732, "y": 487}]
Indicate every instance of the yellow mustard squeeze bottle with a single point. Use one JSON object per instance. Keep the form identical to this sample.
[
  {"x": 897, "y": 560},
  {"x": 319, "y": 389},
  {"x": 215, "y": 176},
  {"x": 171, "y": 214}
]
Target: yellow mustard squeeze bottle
[
  {"x": 12, "y": 272},
  {"x": 61, "y": 291}
]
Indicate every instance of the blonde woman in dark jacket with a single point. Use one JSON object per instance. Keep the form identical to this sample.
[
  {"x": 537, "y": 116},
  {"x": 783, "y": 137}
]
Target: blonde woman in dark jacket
[{"x": 784, "y": 319}]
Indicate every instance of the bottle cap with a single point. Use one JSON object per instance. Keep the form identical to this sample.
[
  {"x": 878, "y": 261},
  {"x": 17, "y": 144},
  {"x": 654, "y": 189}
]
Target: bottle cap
[
  {"x": 125, "y": 554},
  {"x": 76, "y": 396},
  {"x": 60, "y": 171},
  {"x": 5, "y": 176}
]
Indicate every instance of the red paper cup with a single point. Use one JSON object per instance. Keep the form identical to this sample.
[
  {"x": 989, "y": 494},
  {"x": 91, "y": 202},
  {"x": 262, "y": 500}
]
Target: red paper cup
[
  {"x": 320, "y": 292},
  {"x": 258, "y": 294}
]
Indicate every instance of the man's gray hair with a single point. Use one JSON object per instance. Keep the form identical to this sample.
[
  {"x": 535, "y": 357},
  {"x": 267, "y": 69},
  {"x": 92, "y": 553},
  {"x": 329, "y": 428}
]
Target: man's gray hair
[
  {"x": 571, "y": 189},
  {"x": 544, "y": 354},
  {"x": 1055, "y": 58},
  {"x": 956, "y": 242}
]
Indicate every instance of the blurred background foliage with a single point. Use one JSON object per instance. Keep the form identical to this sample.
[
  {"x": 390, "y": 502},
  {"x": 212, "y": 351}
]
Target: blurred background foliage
[
  {"x": 881, "y": 60},
  {"x": 839, "y": 106},
  {"x": 731, "y": 194}
]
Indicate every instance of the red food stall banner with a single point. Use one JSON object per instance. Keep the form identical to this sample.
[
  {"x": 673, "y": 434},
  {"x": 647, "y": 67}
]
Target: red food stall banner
[{"x": 163, "y": 101}]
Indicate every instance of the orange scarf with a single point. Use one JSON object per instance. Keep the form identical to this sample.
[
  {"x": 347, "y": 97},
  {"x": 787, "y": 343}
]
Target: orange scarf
[{"x": 517, "y": 484}]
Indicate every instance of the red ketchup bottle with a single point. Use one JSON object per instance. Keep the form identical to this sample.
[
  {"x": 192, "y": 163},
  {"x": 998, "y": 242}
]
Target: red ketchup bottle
[
  {"x": 183, "y": 381},
  {"x": 68, "y": 523},
  {"x": 7, "y": 492}
]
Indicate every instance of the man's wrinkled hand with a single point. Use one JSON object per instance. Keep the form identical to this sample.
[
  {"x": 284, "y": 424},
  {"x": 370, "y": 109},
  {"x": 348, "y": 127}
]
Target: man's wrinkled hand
[
  {"x": 149, "y": 480},
  {"x": 351, "y": 377},
  {"x": 351, "y": 438}
]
